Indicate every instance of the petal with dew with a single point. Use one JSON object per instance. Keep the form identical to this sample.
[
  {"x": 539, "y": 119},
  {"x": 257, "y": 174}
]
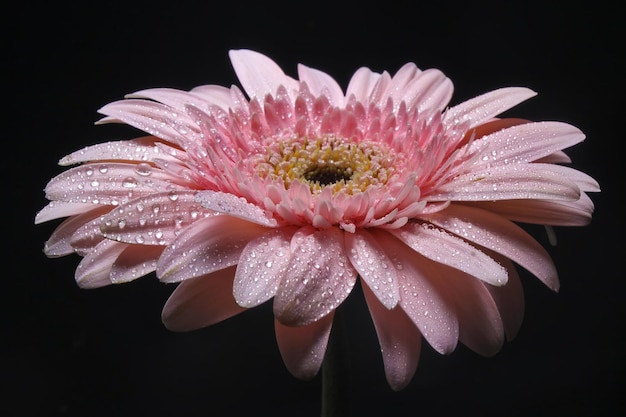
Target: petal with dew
[
  {"x": 156, "y": 219},
  {"x": 201, "y": 302},
  {"x": 262, "y": 265},
  {"x": 258, "y": 74},
  {"x": 109, "y": 183},
  {"x": 555, "y": 213},
  {"x": 212, "y": 244},
  {"x": 235, "y": 206},
  {"x": 508, "y": 182},
  {"x": 509, "y": 299},
  {"x": 135, "y": 262},
  {"x": 318, "y": 279},
  {"x": 361, "y": 84},
  {"x": 95, "y": 268},
  {"x": 320, "y": 83},
  {"x": 60, "y": 242},
  {"x": 480, "y": 324},
  {"x": 433, "y": 315},
  {"x": 142, "y": 149},
  {"x": 302, "y": 348},
  {"x": 486, "y": 106},
  {"x": 447, "y": 249},
  {"x": 400, "y": 341},
  {"x": 57, "y": 209},
  {"x": 374, "y": 266},
  {"x": 525, "y": 143},
  {"x": 500, "y": 235},
  {"x": 153, "y": 118}
]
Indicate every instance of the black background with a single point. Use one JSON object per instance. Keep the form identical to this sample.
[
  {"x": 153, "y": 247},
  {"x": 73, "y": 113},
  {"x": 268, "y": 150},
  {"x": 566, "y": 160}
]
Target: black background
[{"x": 104, "y": 352}]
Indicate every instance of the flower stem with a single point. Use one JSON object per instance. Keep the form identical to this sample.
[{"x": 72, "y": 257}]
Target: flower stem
[{"x": 335, "y": 372}]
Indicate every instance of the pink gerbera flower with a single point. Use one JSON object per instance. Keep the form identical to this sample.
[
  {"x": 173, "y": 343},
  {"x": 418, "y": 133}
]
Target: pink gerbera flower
[{"x": 298, "y": 189}]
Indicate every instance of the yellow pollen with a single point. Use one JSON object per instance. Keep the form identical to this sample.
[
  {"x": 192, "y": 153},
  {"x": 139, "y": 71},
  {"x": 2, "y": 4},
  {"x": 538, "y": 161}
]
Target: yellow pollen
[{"x": 340, "y": 164}]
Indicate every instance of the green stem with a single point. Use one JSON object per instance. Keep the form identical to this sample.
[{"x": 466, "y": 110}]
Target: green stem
[{"x": 335, "y": 372}]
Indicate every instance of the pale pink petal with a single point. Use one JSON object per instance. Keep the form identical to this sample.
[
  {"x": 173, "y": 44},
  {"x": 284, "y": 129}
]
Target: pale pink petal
[
  {"x": 361, "y": 84},
  {"x": 60, "y": 242},
  {"x": 433, "y": 315},
  {"x": 201, "y": 302},
  {"x": 400, "y": 341},
  {"x": 156, "y": 219},
  {"x": 525, "y": 143},
  {"x": 142, "y": 149},
  {"x": 216, "y": 94},
  {"x": 320, "y": 83},
  {"x": 443, "y": 247},
  {"x": 500, "y": 235},
  {"x": 153, "y": 118},
  {"x": 430, "y": 90},
  {"x": 302, "y": 348},
  {"x": 234, "y": 206},
  {"x": 262, "y": 265},
  {"x": 556, "y": 213},
  {"x": 509, "y": 299},
  {"x": 486, "y": 106},
  {"x": 585, "y": 182},
  {"x": 95, "y": 268},
  {"x": 108, "y": 183},
  {"x": 508, "y": 182},
  {"x": 57, "y": 209},
  {"x": 135, "y": 262},
  {"x": 173, "y": 98},
  {"x": 211, "y": 244},
  {"x": 374, "y": 266},
  {"x": 258, "y": 74},
  {"x": 480, "y": 325},
  {"x": 319, "y": 277}
]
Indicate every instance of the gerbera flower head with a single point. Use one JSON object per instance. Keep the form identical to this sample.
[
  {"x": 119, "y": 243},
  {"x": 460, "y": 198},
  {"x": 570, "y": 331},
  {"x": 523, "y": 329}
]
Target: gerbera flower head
[{"x": 295, "y": 189}]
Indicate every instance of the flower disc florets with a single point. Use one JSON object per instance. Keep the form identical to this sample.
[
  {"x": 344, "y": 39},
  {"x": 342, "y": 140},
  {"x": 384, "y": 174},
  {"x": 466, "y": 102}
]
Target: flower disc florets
[{"x": 340, "y": 164}]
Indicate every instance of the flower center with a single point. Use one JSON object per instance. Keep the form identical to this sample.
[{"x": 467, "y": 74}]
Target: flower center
[{"x": 328, "y": 161}]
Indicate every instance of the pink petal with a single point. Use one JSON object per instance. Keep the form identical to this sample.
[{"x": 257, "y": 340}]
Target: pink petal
[
  {"x": 400, "y": 341},
  {"x": 302, "y": 348},
  {"x": 174, "y": 98},
  {"x": 142, "y": 149},
  {"x": 258, "y": 74},
  {"x": 525, "y": 143},
  {"x": 361, "y": 84},
  {"x": 374, "y": 266},
  {"x": 319, "y": 277},
  {"x": 480, "y": 325},
  {"x": 509, "y": 182},
  {"x": 509, "y": 299},
  {"x": 208, "y": 245},
  {"x": 156, "y": 219},
  {"x": 442, "y": 247},
  {"x": 95, "y": 268},
  {"x": 154, "y": 118},
  {"x": 57, "y": 209},
  {"x": 433, "y": 315},
  {"x": 135, "y": 262},
  {"x": 430, "y": 90},
  {"x": 201, "y": 302},
  {"x": 556, "y": 213},
  {"x": 262, "y": 265},
  {"x": 60, "y": 242},
  {"x": 215, "y": 94},
  {"x": 486, "y": 106},
  {"x": 235, "y": 206},
  {"x": 109, "y": 183},
  {"x": 320, "y": 83},
  {"x": 500, "y": 235}
]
